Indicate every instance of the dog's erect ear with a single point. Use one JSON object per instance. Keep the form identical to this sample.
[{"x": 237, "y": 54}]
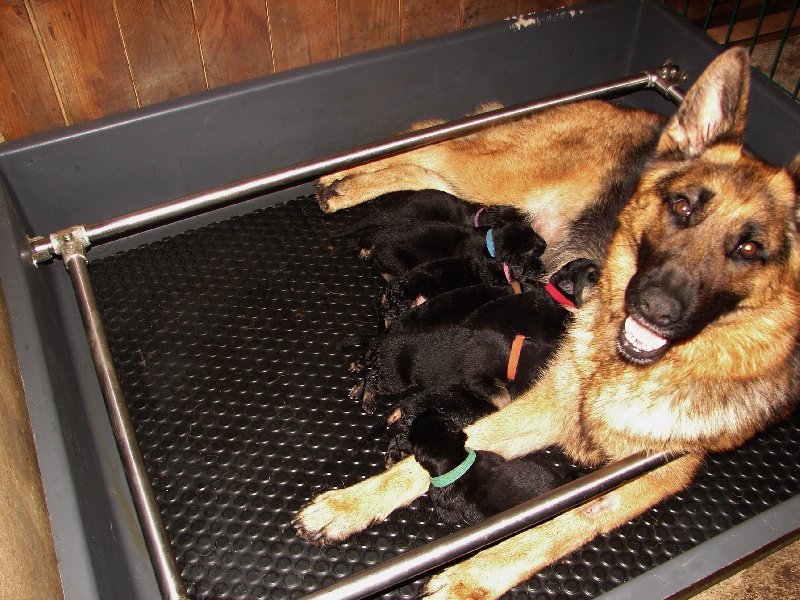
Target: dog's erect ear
[{"x": 714, "y": 108}]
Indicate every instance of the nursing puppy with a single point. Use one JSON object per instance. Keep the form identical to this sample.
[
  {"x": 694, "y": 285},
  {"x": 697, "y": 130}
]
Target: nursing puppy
[
  {"x": 494, "y": 353},
  {"x": 441, "y": 276},
  {"x": 394, "y": 251},
  {"x": 491, "y": 363},
  {"x": 448, "y": 308},
  {"x": 407, "y": 207},
  {"x": 688, "y": 344},
  {"x": 469, "y": 486},
  {"x": 528, "y": 308}
]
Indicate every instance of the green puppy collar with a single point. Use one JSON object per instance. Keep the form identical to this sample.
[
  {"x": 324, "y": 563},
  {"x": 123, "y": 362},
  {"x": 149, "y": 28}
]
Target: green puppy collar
[{"x": 451, "y": 476}]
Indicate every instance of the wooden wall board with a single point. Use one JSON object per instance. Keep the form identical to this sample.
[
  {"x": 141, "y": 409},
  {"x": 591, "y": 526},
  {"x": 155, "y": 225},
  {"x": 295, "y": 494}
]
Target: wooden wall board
[
  {"x": 234, "y": 38},
  {"x": 162, "y": 48},
  {"x": 28, "y": 101},
  {"x": 367, "y": 24},
  {"x": 82, "y": 42},
  {"x": 67, "y": 61},
  {"x": 478, "y": 12},
  {"x": 424, "y": 18},
  {"x": 302, "y": 33}
]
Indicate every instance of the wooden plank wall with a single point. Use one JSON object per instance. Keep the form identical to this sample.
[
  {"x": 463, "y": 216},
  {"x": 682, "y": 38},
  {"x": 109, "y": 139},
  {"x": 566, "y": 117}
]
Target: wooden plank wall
[{"x": 67, "y": 61}]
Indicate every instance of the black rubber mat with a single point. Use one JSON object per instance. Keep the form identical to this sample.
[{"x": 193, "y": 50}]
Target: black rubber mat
[{"x": 232, "y": 343}]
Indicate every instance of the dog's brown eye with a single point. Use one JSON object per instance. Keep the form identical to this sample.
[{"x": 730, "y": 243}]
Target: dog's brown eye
[
  {"x": 748, "y": 249},
  {"x": 681, "y": 207}
]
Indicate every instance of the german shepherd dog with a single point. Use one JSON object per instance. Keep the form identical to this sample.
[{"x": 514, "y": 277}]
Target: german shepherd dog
[{"x": 689, "y": 342}]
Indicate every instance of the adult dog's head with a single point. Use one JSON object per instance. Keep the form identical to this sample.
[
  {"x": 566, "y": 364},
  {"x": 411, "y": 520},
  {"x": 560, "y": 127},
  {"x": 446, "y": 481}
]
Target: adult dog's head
[{"x": 708, "y": 246}]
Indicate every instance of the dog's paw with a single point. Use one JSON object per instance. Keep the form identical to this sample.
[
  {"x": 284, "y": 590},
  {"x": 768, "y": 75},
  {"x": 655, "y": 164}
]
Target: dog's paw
[
  {"x": 338, "y": 191},
  {"x": 457, "y": 591},
  {"x": 451, "y": 584},
  {"x": 336, "y": 515},
  {"x": 325, "y": 520},
  {"x": 395, "y": 416},
  {"x": 356, "y": 392},
  {"x": 393, "y": 303},
  {"x": 326, "y": 192},
  {"x": 393, "y": 453}
]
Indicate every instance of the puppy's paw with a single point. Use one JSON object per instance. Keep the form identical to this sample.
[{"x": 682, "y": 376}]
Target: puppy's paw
[
  {"x": 369, "y": 401},
  {"x": 395, "y": 452},
  {"x": 393, "y": 303},
  {"x": 395, "y": 416}
]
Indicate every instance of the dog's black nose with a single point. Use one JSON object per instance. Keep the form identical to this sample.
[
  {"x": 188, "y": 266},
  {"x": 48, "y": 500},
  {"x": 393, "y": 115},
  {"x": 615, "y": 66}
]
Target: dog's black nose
[{"x": 660, "y": 307}]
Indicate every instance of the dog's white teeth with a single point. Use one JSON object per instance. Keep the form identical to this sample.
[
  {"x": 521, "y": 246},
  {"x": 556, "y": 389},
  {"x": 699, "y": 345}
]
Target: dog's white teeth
[{"x": 642, "y": 338}]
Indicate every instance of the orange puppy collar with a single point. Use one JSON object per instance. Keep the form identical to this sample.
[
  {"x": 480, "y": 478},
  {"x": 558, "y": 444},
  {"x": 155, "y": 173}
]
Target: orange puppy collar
[{"x": 513, "y": 358}]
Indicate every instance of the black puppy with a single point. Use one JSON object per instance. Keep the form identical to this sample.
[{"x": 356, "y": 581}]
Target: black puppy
[
  {"x": 449, "y": 307},
  {"x": 491, "y": 363},
  {"x": 407, "y": 207},
  {"x": 401, "y": 229},
  {"x": 496, "y": 353},
  {"x": 538, "y": 312},
  {"x": 575, "y": 281},
  {"x": 469, "y": 486},
  {"x": 437, "y": 277},
  {"x": 397, "y": 250}
]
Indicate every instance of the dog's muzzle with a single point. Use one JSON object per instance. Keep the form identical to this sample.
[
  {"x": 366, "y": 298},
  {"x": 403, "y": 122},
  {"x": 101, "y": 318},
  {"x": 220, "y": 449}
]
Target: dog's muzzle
[{"x": 640, "y": 344}]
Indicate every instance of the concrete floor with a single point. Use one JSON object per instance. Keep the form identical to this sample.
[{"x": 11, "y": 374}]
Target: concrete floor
[{"x": 774, "y": 577}]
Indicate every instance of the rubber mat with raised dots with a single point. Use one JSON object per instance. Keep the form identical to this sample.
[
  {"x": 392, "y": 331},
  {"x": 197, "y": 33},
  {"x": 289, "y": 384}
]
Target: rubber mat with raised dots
[{"x": 232, "y": 343}]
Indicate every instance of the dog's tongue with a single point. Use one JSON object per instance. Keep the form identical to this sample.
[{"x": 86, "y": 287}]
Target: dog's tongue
[{"x": 642, "y": 338}]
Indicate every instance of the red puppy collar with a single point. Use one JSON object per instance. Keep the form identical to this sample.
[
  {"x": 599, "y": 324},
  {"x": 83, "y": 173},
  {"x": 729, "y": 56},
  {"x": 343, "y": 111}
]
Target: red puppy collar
[{"x": 558, "y": 296}]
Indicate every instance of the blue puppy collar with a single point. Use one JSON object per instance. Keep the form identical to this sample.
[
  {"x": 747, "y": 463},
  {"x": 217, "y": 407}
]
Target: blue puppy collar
[
  {"x": 453, "y": 475},
  {"x": 490, "y": 242}
]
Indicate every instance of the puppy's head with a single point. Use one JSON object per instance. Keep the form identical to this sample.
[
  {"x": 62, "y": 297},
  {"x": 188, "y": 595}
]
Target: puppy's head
[
  {"x": 526, "y": 269},
  {"x": 436, "y": 442},
  {"x": 577, "y": 279},
  {"x": 514, "y": 240}
]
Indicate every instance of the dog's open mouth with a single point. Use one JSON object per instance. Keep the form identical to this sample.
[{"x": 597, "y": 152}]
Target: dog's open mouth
[{"x": 639, "y": 344}]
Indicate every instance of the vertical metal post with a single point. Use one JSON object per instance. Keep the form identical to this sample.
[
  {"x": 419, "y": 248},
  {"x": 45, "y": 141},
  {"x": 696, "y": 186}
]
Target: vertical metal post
[
  {"x": 731, "y": 24},
  {"x": 709, "y": 14},
  {"x": 763, "y": 12},
  {"x": 72, "y": 248},
  {"x": 782, "y": 43}
]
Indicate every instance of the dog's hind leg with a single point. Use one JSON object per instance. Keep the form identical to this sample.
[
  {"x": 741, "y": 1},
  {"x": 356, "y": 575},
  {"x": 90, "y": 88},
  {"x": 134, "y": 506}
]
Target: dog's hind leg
[
  {"x": 493, "y": 571},
  {"x": 337, "y": 514},
  {"x": 361, "y": 185}
]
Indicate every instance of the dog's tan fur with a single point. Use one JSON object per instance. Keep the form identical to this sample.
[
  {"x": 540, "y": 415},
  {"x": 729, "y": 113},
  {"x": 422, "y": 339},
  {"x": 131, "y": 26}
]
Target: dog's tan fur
[
  {"x": 709, "y": 392},
  {"x": 552, "y": 164}
]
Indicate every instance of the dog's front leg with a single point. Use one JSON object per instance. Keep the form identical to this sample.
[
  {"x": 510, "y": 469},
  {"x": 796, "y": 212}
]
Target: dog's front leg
[
  {"x": 543, "y": 416},
  {"x": 337, "y": 514},
  {"x": 491, "y": 572}
]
